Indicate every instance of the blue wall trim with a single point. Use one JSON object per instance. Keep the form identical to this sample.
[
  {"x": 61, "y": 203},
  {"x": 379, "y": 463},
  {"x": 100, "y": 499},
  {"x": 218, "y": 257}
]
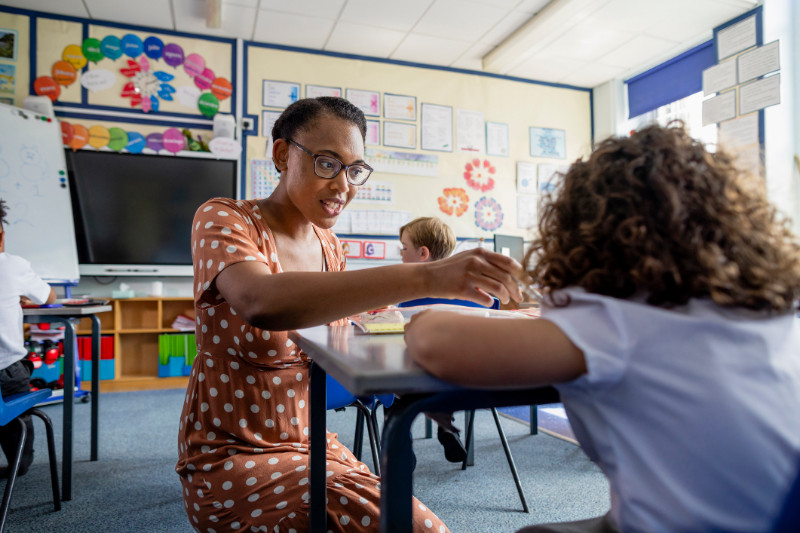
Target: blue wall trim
[{"x": 131, "y": 120}]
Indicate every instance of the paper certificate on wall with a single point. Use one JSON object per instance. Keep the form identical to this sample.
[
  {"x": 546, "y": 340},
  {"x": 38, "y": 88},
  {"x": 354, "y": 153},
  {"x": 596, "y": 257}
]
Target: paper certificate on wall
[
  {"x": 373, "y": 137},
  {"x": 280, "y": 93},
  {"x": 399, "y": 135},
  {"x": 437, "y": 128},
  {"x": 719, "y": 108},
  {"x": 399, "y": 107},
  {"x": 497, "y": 139},
  {"x": 367, "y": 101},
  {"x": 526, "y": 177},
  {"x": 760, "y": 94},
  {"x": 735, "y": 38},
  {"x": 314, "y": 91},
  {"x": 758, "y": 62},
  {"x": 268, "y": 119},
  {"x": 548, "y": 142},
  {"x": 742, "y": 131},
  {"x": 719, "y": 77},
  {"x": 470, "y": 131}
]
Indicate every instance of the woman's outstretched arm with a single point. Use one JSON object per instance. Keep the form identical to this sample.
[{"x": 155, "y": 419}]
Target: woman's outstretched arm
[{"x": 292, "y": 300}]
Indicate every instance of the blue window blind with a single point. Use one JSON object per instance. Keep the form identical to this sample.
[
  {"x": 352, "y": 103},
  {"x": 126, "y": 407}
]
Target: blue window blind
[{"x": 670, "y": 81}]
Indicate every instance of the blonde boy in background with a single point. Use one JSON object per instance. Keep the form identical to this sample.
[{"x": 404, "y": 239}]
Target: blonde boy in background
[{"x": 429, "y": 239}]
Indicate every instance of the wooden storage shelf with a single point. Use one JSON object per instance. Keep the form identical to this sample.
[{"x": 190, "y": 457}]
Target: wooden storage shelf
[{"x": 136, "y": 324}]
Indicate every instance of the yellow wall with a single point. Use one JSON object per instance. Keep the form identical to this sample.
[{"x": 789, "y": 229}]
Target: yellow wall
[{"x": 520, "y": 105}]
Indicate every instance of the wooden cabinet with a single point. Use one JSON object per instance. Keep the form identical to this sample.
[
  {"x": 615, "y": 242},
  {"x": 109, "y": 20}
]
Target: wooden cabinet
[{"x": 136, "y": 324}]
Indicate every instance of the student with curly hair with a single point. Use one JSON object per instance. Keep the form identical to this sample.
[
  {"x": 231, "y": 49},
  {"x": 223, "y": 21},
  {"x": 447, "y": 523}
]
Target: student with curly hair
[
  {"x": 266, "y": 266},
  {"x": 669, "y": 329}
]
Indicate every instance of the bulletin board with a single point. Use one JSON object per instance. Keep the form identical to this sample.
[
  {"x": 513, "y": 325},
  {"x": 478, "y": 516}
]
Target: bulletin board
[
  {"x": 473, "y": 184},
  {"x": 174, "y": 68}
]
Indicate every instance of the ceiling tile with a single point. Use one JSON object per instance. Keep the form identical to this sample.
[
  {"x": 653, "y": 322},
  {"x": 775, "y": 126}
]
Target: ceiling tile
[
  {"x": 547, "y": 68},
  {"x": 472, "y": 59},
  {"x": 350, "y": 38},
  {"x": 393, "y": 15},
  {"x": 504, "y": 4},
  {"x": 532, "y": 6},
  {"x": 705, "y": 16},
  {"x": 627, "y": 15},
  {"x": 292, "y": 30},
  {"x": 430, "y": 50},
  {"x": 505, "y": 27},
  {"x": 243, "y": 3},
  {"x": 153, "y": 13},
  {"x": 311, "y": 8},
  {"x": 587, "y": 42},
  {"x": 71, "y": 8},
  {"x": 590, "y": 75},
  {"x": 637, "y": 51},
  {"x": 464, "y": 20},
  {"x": 237, "y": 21}
]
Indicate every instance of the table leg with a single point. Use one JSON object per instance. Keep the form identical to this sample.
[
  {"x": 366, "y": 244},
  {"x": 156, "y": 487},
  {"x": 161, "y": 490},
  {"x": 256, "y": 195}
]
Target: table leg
[
  {"x": 396, "y": 476},
  {"x": 95, "y": 385},
  {"x": 318, "y": 519},
  {"x": 70, "y": 356}
]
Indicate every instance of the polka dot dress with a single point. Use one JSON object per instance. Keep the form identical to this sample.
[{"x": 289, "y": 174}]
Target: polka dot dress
[{"x": 243, "y": 439}]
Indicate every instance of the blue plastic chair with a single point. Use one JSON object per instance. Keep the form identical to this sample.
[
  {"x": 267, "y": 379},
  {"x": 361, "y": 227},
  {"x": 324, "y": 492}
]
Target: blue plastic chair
[
  {"x": 11, "y": 409},
  {"x": 338, "y": 398}
]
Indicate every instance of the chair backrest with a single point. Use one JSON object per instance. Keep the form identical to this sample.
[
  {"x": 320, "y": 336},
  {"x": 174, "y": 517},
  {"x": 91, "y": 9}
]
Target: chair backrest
[
  {"x": 789, "y": 517},
  {"x": 451, "y": 301},
  {"x": 336, "y": 395}
]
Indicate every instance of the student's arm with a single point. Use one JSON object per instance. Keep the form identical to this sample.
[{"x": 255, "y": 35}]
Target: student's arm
[
  {"x": 52, "y": 296},
  {"x": 492, "y": 352},
  {"x": 291, "y": 300}
]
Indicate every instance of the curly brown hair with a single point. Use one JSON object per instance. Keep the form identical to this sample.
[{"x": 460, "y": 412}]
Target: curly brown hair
[{"x": 655, "y": 214}]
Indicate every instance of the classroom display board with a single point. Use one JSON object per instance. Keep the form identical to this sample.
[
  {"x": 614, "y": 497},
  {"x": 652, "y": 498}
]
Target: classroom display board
[
  {"x": 33, "y": 183},
  {"x": 442, "y": 142}
]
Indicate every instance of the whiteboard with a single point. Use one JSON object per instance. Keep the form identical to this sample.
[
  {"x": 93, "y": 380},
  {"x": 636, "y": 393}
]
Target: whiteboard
[{"x": 34, "y": 185}]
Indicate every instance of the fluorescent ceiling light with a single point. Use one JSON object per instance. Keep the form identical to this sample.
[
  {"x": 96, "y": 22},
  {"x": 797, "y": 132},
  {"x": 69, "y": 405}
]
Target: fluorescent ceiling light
[
  {"x": 213, "y": 14},
  {"x": 537, "y": 33}
]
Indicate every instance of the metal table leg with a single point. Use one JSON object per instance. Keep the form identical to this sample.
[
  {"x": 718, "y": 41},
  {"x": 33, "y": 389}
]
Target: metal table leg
[{"x": 318, "y": 520}]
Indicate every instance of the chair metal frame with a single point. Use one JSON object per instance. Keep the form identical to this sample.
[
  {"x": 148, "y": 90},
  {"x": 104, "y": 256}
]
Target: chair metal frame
[{"x": 12, "y": 408}]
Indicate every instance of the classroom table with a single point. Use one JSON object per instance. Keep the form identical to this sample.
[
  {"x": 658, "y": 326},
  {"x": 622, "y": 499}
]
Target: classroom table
[
  {"x": 62, "y": 315},
  {"x": 379, "y": 364}
]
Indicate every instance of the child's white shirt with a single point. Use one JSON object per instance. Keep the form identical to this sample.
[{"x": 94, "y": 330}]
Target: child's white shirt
[
  {"x": 692, "y": 413},
  {"x": 17, "y": 278}
]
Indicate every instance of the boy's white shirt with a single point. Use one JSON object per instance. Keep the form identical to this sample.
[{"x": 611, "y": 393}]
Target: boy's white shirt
[
  {"x": 17, "y": 278},
  {"x": 690, "y": 412}
]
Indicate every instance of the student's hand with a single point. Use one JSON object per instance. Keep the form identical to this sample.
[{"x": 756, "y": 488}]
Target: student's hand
[
  {"x": 475, "y": 275},
  {"x": 24, "y": 300}
]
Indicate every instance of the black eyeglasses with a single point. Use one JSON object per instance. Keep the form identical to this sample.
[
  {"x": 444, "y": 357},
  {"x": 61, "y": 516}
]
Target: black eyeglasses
[{"x": 328, "y": 167}]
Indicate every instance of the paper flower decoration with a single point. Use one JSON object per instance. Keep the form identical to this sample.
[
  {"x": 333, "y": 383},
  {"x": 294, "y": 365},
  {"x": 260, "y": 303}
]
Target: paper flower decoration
[
  {"x": 145, "y": 87},
  {"x": 455, "y": 201},
  {"x": 488, "y": 214},
  {"x": 479, "y": 175}
]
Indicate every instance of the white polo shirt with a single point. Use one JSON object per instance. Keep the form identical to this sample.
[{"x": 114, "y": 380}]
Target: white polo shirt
[
  {"x": 692, "y": 413},
  {"x": 17, "y": 278}
]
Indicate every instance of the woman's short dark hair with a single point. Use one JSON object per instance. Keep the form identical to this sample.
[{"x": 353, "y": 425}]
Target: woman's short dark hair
[
  {"x": 302, "y": 113},
  {"x": 658, "y": 215}
]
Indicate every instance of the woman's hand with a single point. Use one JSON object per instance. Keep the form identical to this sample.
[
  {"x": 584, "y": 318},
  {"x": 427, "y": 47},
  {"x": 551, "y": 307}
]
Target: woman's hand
[{"x": 474, "y": 275}]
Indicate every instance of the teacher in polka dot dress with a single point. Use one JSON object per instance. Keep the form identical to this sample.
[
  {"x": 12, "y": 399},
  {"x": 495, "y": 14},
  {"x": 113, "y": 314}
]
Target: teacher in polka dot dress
[{"x": 261, "y": 268}]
